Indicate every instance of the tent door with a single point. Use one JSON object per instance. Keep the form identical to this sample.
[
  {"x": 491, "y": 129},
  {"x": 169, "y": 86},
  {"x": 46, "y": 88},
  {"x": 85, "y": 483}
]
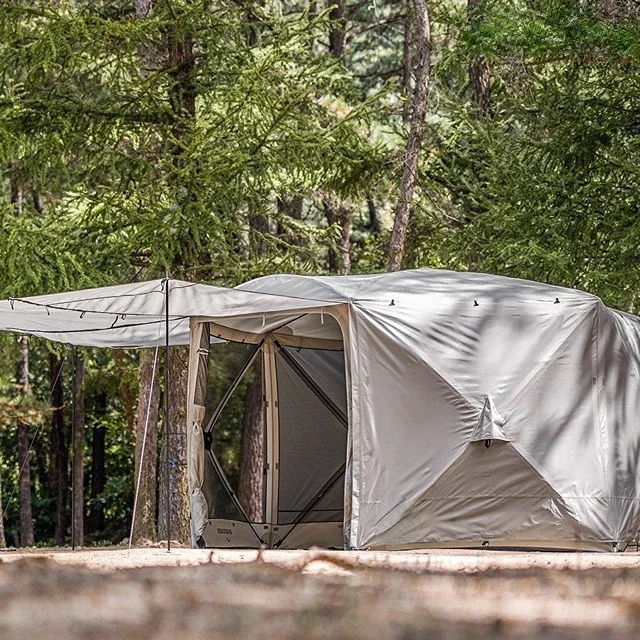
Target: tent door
[
  {"x": 305, "y": 445},
  {"x": 310, "y": 438},
  {"x": 228, "y": 524}
]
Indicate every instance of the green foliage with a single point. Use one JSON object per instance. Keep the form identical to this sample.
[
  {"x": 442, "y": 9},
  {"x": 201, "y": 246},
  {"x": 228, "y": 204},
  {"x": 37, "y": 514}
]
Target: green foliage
[
  {"x": 545, "y": 188},
  {"x": 179, "y": 143},
  {"x": 95, "y": 111}
]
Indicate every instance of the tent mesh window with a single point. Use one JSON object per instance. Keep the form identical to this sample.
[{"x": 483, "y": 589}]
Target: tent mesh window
[
  {"x": 312, "y": 435},
  {"x": 233, "y": 369}
]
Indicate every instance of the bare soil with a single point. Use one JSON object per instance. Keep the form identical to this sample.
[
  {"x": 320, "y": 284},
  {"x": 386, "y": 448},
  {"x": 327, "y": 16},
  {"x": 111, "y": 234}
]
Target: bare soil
[{"x": 309, "y": 595}]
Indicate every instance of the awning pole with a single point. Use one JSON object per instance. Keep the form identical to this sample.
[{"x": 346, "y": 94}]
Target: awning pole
[
  {"x": 73, "y": 447},
  {"x": 166, "y": 408}
]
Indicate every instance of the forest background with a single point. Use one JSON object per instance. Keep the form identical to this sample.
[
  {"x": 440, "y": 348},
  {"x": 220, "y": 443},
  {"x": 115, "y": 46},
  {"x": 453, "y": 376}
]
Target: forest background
[{"x": 220, "y": 140}]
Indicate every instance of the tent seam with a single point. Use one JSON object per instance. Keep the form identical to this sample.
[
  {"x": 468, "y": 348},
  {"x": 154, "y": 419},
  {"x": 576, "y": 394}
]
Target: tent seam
[
  {"x": 549, "y": 360},
  {"x": 470, "y": 403}
]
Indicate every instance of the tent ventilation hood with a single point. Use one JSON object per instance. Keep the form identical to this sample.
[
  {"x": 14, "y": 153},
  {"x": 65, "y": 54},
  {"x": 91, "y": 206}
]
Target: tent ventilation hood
[{"x": 490, "y": 424}]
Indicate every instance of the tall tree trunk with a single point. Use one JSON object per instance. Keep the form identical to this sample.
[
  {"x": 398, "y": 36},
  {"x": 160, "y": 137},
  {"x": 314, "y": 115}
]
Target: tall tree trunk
[
  {"x": 338, "y": 212},
  {"x": 38, "y": 202},
  {"x": 249, "y": 488},
  {"x": 182, "y": 92},
  {"x": 407, "y": 59},
  {"x": 58, "y": 453},
  {"x": 479, "y": 77},
  {"x": 3, "y": 542},
  {"x": 24, "y": 443},
  {"x": 182, "y": 98},
  {"x": 17, "y": 198},
  {"x": 404, "y": 206},
  {"x": 77, "y": 481},
  {"x": 252, "y": 449},
  {"x": 178, "y": 54},
  {"x": 98, "y": 471},
  {"x": 144, "y": 525},
  {"x": 174, "y": 460},
  {"x": 337, "y": 32}
]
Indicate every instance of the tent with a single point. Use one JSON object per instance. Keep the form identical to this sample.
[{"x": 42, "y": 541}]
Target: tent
[{"x": 418, "y": 408}]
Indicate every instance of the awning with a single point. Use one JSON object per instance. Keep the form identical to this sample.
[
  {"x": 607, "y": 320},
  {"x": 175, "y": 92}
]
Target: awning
[{"x": 133, "y": 315}]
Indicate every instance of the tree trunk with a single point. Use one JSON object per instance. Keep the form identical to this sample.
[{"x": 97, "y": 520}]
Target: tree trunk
[
  {"x": 150, "y": 52},
  {"x": 126, "y": 388},
  {"x": 404, "y": 206},
  {"x": 259, "y": 225},
  {"x": 144, "y": 525},
  {"x": 98, "y": 473},
  {"x": 38, "y": 202},
  {"x": 58, "y": 453},
  {"x": 77, "y": 481},
  {"x": 617, "y": 11},
  {"x": 17, "y": 198},
  {"x": 337, "y": 33},
  {"x": 182, "y": 92},
  {"x": 375, "y": 225},
  {"x": 407, "y": 60},
  {"x": 479, "y": 77},
  {"x": 178, "y": 54},
  {"x": 3, "y": 542},
  {"x": 174, "y": 460},
  {"x": 340, "y": 261},
  {"x": 252, "y": 449},
  {"x": 144, "y": 8},
  {"x": 293, "y": 209},
  {"x": 24, "y": 443},
  {"x": 340, "y": 214},
  {"x": 174, "y": 517}
]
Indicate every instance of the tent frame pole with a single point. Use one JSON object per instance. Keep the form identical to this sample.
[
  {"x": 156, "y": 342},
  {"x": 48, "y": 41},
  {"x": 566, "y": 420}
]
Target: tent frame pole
[
  {"x": 272, "y": 435},
  {"x": 166, "y": 408},
  {"x": 73, "y": 447}
]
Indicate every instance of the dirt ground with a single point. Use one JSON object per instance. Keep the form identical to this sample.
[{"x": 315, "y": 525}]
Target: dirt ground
[{"x": 300, "y": 595}]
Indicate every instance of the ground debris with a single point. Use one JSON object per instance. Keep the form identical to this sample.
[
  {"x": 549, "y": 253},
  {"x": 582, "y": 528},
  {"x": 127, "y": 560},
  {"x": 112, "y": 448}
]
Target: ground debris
[{"x": 40, "y": 597}]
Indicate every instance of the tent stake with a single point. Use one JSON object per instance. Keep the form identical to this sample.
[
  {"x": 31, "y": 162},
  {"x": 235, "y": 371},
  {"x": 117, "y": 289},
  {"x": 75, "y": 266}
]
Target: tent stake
[{"x": 166, "y": 408}]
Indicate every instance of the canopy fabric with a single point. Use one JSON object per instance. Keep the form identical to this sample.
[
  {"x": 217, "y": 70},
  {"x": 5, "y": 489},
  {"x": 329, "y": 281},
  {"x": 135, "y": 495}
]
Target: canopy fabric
[{"x": 133, "y": 315}]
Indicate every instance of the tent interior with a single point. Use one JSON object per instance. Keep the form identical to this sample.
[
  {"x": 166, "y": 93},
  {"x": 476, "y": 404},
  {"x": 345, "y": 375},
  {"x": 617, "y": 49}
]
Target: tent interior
[{"x": 301, "y": 451}]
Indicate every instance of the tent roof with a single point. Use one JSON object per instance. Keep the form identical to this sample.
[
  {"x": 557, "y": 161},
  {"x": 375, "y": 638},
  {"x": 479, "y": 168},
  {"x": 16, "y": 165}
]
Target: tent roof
[
  {"x": 413, "y": 282},
  {"x": 133, "y": 315}
]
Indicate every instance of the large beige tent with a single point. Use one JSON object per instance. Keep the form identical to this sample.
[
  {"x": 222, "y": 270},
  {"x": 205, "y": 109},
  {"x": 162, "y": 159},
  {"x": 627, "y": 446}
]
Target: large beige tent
[{"x": 419, "y": 408}]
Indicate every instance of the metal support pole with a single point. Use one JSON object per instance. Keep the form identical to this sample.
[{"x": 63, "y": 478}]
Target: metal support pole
[
  {"x": 73, "y": 447},
  {"x": 166, "y": 407}
]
